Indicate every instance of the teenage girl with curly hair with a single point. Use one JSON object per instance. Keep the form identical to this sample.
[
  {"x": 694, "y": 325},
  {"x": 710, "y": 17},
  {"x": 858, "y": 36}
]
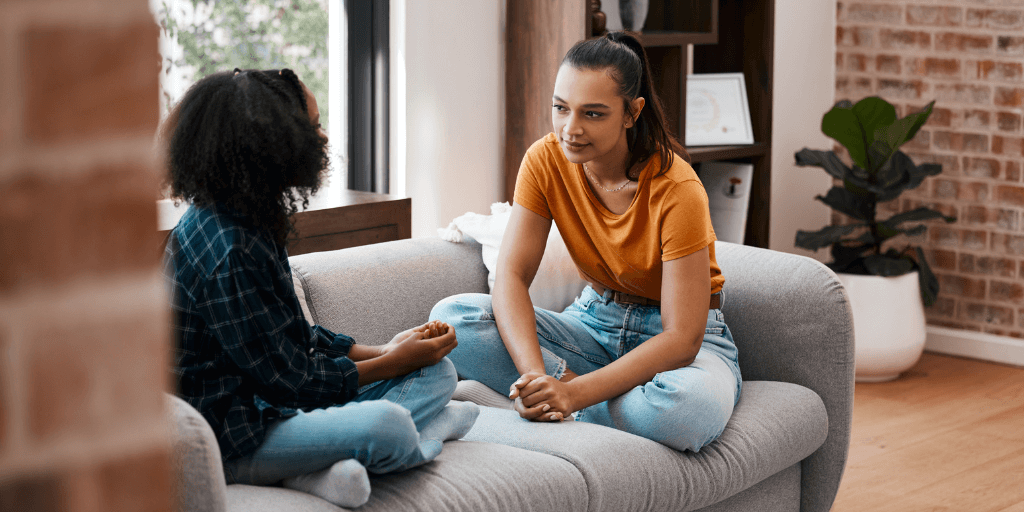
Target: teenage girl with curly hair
[
  {"x": 645, "y": 347},
  {"x": 287, "y": 401}
]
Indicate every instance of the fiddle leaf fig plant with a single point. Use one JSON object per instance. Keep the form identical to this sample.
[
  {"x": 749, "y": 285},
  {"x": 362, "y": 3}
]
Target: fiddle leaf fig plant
[{"x": 872, "y": 136}]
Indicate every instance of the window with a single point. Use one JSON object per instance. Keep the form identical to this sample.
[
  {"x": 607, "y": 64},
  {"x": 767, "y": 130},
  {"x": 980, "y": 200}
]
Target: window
[
  {"x": 200, "y": 37},
  {"x": 368, "y": 38}
]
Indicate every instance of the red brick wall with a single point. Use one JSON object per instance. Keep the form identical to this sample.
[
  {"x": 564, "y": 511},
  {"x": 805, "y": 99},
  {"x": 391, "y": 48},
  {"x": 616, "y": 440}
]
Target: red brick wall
[
  {"x": 84, "y": 328},
  {"x": 969, "y": 57}
]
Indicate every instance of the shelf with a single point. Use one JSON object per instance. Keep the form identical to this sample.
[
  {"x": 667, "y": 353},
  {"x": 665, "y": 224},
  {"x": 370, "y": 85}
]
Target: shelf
[
  {"x": 706, "y": 153},
  {"x": 663, "y": 38}
]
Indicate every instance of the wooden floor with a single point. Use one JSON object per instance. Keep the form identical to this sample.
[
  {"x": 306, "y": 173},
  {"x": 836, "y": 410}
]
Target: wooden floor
[{"x": 948, "y": 435}]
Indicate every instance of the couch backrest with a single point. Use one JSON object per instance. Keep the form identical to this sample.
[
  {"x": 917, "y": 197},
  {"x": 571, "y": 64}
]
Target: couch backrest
[{"x": 376, "y": 291}]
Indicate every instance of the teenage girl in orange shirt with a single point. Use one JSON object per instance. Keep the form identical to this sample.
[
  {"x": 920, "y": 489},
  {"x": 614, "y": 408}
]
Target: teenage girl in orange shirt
[{"x": 645, "y": 347}]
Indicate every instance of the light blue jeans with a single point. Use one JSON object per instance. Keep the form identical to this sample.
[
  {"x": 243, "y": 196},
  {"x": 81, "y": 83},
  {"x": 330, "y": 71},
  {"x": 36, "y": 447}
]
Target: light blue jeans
[
  {"x": 684, "y": 409},
  {"x": 379, "y": 428}
]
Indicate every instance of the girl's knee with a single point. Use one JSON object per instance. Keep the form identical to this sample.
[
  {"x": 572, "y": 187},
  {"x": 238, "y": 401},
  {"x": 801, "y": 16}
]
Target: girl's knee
[
  {"x": 463, "y": 307},
  {"x": 690, "y": 418},
  {"x": 440, "y": 379},
  {"x": 389, "y": 424}
]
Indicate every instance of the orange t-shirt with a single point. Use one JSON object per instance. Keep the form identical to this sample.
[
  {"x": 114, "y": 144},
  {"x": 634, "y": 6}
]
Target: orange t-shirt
[{"x": 667, "y": 219}]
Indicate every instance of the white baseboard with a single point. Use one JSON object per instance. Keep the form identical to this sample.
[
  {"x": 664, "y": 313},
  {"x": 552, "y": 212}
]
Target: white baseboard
[{"x": 976, "y": 345}]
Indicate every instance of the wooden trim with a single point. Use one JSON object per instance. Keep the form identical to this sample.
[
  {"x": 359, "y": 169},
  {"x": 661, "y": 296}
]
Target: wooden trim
[
  {"x": 361, "y": 218},
  {"x": 538, "y": 33},
  {"x": 976, "y": 345}
]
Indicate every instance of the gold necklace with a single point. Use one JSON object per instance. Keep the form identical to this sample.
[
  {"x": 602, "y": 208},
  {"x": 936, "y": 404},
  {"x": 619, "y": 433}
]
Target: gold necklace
[{"x": 593, "y": 179}]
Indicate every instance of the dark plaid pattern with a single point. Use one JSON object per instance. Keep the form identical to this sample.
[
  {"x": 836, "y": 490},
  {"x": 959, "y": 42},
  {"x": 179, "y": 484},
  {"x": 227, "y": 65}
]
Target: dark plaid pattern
[{"x": 244, "y": 353}]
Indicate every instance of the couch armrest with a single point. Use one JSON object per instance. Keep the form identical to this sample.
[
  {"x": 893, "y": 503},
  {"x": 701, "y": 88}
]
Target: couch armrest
[
  {"x": 792, "y": 322},
  {"x": 198, "y": 473},
  {"x": 375, "y": 291}
]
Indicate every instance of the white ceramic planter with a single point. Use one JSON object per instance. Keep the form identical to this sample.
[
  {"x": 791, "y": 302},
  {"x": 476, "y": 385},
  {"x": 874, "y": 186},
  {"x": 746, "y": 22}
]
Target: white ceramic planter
[{"x": 888, "y": 323}]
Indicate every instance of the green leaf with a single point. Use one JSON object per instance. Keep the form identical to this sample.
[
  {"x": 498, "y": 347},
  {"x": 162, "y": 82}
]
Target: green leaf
[
  {"x": 916, "y": 230},
  {"x": 884, "y": 232},
  {"x": 854, "y": 127},
  {"x": 898, "y": 133},
  {"x": 866, "y": 238},
  {"x": 887, "y": 266},
  {"x": 825, "y": 159},
  {"x": 895, "y": 173},
  {"x": 843, "y": 201},
  {"x": 823, "y": 237},
  {"x": 917, "y": 215},
  {"x": 842, "y": 125},
  {"x": 926, "y": 279},
  {"x": 844, "y": 255},
  {"x": 854, "y": 179},
  {"x": 920, "y": 172}
]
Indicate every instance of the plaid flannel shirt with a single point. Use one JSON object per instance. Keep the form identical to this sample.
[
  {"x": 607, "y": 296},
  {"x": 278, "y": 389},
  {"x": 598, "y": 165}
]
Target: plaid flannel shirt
[{"x": 245, "y": 354}]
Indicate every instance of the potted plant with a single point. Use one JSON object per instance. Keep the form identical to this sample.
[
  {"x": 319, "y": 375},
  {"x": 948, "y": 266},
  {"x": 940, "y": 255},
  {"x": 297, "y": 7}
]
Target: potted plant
[{"x": 888, "y": 286}]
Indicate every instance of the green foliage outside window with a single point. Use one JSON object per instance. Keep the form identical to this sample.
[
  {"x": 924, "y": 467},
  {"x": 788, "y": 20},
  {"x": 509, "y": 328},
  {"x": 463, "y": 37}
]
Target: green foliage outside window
[{"x": 217, "y": 35}]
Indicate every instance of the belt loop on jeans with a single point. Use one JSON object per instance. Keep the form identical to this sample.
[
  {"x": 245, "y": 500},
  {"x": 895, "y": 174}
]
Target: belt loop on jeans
[{"x": 714, "y": 302}]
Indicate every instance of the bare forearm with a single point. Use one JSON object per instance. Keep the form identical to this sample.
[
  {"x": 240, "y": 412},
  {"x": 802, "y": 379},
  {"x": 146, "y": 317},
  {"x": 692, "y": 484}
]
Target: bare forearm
[
  {"x": 517, "y": 324},
  {"x": 664, "y": 352},
  {"x": 375, "y": 369},
  {"x": 364, "y": 352}
]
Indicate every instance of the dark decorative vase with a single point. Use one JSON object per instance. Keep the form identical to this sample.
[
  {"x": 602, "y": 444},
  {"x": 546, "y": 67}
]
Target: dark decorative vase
[{"x": 633, "y": 14}]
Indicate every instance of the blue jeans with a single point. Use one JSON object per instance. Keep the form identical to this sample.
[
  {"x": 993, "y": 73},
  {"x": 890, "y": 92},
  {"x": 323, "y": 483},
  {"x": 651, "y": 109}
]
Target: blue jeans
[
  {"x": 379, "y": 428},
  {"x": 684, "y": 409}
]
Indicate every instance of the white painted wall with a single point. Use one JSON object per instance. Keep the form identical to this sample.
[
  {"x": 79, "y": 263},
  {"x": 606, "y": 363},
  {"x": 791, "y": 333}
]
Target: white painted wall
[
  {"x": 448, "y": 107},
  {"x": 804, "y": 89}
]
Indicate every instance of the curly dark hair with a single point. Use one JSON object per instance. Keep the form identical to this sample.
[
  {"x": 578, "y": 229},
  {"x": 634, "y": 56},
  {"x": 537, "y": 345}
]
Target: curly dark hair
[{"x": 243, "y": 139}]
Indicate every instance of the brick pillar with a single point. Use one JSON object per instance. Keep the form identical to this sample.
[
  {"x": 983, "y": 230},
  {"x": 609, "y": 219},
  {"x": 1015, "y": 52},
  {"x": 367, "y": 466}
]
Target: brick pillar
[
  {"x": 969, "y": 57},
  {"x": 84, "y": 325}
]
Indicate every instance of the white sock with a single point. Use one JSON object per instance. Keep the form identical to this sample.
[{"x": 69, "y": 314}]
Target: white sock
[
  {"x": 453, "y": 422},
  {"x": 344, "y": 484}
]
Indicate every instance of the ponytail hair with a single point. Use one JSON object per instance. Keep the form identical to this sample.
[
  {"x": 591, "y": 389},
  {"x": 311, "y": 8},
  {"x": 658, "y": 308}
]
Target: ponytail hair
[{"x": 623, "y": 55}]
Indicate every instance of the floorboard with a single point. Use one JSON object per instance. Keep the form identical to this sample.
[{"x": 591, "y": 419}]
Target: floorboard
[{"x": 948, "y": 435}]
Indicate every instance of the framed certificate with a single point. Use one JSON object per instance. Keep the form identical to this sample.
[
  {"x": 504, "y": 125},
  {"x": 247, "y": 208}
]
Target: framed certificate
[{"x": 717, "y": 111}]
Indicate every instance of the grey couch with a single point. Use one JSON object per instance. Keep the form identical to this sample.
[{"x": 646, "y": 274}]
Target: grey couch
[{"x": 783, "y": 450}]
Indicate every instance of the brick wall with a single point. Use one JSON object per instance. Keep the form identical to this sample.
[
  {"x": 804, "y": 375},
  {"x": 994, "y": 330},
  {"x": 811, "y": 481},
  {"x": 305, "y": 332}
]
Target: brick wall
[
  {"x": 83, "y": 318},
  {"x": 968, "y": 55}
]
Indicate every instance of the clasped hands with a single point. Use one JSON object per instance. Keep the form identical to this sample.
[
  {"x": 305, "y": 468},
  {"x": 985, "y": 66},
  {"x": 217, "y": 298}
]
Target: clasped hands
[
  {"x": 540, "y": 397},
  {"x": 420, "y": 346}
]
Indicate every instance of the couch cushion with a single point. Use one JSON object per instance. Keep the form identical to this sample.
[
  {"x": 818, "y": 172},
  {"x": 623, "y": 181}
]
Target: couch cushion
[
  {"x": 466, "y": 476},
  {"x": 376, "y": 291},
  {"x": 774, "y": 426},
  {"x": 777, "y": 493}
]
